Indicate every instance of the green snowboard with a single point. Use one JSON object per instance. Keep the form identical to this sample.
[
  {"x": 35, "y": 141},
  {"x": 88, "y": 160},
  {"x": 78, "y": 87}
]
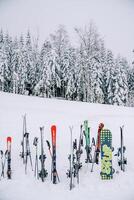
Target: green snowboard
[{"x": 106, "y": 155}]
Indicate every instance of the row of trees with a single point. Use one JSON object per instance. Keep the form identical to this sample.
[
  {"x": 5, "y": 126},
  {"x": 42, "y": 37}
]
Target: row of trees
[{"x": 88, "y": 72}]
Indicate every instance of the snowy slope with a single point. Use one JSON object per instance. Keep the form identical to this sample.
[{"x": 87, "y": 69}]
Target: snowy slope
[{"x": 45, "y": 112}]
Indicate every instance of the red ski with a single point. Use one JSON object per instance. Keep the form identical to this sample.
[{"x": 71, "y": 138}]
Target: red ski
[
  {"x": 53, "y": 132},
  {"x": 97, "y": 146},
  {"x": 54, "y": 175}
]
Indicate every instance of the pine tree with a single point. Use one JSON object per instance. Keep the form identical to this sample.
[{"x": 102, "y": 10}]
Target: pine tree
[
  {"x": 71, "y": 76},
  {"x": 21, "y": 66},
  {"x": 121, "y": 92},
  {"x": 89, "y": 86},
  {"x": 60, "y": 46},
  {"x": 2, "y": 58},
  {"x": 28, "y": 64},
  {"x": 46, "y": 84},
  {"x": 112, "y": 77},
  {"x": 131, "y": 85},
  {"x": 104, "y": 74},
  {"x": 8, "y": 64}
]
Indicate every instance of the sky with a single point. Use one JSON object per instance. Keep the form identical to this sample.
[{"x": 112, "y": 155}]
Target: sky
[{"x": 113, "y": 18}]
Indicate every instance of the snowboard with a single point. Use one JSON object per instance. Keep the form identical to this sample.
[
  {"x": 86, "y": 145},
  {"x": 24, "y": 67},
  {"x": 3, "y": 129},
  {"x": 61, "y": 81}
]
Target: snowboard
[{"x": 106, "y": 155}]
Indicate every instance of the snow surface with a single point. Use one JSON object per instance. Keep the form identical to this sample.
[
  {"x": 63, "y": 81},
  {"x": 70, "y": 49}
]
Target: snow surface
[{"x": 46, "y": 112}]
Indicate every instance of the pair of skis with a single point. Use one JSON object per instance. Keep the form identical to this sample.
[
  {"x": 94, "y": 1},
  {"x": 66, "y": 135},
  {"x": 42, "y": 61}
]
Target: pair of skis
[
  {"x": 54, "y": 173},
  {"x": 25, "y": 143},
  {"x": 122, "y": 161},
  {"x": 74, "y": 158},
  {"x": 95, "y": 158},
  {"x": 6, "y": 157},
  {"x": 43, "y": 172},
  {"x": 88, "y": 146}
]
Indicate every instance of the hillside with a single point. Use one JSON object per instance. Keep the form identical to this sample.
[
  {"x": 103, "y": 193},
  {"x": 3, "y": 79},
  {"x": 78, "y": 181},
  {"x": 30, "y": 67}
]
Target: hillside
[{"x": 46, "y": 112}]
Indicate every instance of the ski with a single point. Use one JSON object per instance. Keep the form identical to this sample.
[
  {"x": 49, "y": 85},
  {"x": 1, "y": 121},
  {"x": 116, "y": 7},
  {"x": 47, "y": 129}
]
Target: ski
[
  {"x": 9, "y": 140},
  {"x": 43, "y": 172},
  {"x": 77, "y": 154},
  {"x": 22, "y": 154},
  {"x": 87, "y": 139},
  {"x": 97, "y": 147},
  {"x": 36, "y": 171},
  {"x": 54, "y": 170},
  {"x": 70, "y": 172},
  {"x": 50, "y": 152},
  {"x": 122, "y": 161},
  {"x": 79, "y": 150},
  {"x": 3, "y": 162},
  {"x": 27, "y": 153}
]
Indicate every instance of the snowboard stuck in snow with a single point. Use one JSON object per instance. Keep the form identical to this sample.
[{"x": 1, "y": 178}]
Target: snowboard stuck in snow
[{"x": 102, "y": 146}]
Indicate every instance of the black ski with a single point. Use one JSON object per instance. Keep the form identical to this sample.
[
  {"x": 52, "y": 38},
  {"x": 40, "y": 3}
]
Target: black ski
[
  {"x": 9, "y": 140},
  {"x": 43, "y": 172},
  {"x": 122, "y": 161},
  {"x": 36, "y": 170},
  {"x": 50, "y": 152}
]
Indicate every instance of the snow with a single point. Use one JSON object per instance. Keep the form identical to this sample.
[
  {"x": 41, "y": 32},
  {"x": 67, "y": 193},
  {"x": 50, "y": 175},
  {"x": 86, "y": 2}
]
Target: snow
[{"x": 46, "y": 112}]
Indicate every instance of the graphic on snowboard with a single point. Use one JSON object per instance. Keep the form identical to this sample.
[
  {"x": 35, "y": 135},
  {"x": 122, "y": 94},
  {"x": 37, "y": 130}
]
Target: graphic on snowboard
[{"x": 106, "y": 155}]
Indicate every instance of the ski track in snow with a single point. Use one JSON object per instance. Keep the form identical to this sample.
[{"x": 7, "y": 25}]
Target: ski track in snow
[{"x": 46, "y": 112}]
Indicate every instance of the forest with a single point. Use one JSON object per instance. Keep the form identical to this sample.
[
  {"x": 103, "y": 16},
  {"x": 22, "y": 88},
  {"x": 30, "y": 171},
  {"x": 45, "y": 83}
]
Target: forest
[{"x": 87, "y": 71}]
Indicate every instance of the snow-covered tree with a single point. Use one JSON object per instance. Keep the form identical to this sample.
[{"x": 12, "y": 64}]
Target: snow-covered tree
[
  {"x": 89, "y": 86},
  {"x": 60, "y": 46},
  {"x": 87, "y": 72},
  {"x": 72, "y": 76},
  {"x": 112, "y": 77},
  {"x": 46, "y": 75},
  {"x": 104, "y": 76},
  {"x": 2, "y": 58},
  {"x": 8, "y": 63},
  {"x": 131, "y": 84},
  {"x": 121, "y": 90}
]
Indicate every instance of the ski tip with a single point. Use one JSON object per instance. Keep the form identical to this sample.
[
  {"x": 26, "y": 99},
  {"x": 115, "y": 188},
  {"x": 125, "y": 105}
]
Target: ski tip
[
  {"x": 101, "y": 126},
  {"x": 53, "y": 128},
  {"x": 122, "y": 127},
  {"x": 9, "y": 139},
  {"x": 41, "y": 128}
]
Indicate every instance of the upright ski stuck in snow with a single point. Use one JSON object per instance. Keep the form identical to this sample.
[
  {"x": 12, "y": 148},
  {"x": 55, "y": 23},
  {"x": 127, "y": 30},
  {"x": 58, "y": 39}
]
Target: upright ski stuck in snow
[
  {"x": 97, "y": 147},
  {"x": 50, "y": 152},
  {"x": 9, "y": 172},
  {"x": 22, "y": 154},
  {"x": 3, "y": 162},
  {"x": 27, "y": 152},
  {"x": 43, "y": 172},
  {"x": 36, "y": 169},
  {"x": 70, "y": 172},
  {"x": 54, "y": 174},
  {"x": 87, "y": 139},
  {"x": 122, "y": 161}
]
